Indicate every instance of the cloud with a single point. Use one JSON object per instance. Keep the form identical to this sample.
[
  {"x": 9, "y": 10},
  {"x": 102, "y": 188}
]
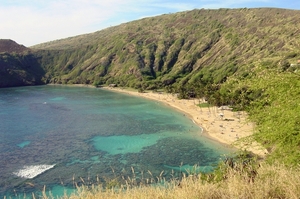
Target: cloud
[{"x": 40, "y": 21}]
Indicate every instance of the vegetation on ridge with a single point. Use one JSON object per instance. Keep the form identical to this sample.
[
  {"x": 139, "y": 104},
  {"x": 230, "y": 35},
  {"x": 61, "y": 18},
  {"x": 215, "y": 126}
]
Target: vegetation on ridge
[{"x": 200, "y": 45}]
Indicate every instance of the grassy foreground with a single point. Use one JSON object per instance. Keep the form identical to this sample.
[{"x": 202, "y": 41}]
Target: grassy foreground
[{"x": 263, "y": 181}]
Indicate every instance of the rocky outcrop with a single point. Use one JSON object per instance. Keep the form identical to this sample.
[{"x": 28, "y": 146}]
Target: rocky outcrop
[{"x": 10, "y": 46}]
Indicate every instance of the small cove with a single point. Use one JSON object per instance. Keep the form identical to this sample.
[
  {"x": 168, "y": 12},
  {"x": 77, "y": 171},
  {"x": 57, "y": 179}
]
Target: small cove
[{"x": 85, "y": 132}]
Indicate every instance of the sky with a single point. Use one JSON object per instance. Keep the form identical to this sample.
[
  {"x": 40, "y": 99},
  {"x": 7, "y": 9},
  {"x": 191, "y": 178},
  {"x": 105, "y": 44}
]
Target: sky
[{"x": 31, "y": 22}]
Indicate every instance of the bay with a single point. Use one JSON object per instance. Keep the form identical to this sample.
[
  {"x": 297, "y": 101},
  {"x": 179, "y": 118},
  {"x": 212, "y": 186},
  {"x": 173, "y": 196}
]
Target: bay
[{"x": 73, "y": 135}]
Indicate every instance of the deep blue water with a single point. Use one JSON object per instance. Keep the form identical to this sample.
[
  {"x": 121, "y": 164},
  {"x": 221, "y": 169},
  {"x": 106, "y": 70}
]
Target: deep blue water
[{"x": 92, "y": 135}]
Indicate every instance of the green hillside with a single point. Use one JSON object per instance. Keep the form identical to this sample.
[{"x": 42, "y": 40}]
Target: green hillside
[
  {"x": 210, "y": 45},
  {"x": 247, "y": 58}
]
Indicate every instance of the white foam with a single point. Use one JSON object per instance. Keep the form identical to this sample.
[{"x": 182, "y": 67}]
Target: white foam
[{"x": 32, "y": 171}]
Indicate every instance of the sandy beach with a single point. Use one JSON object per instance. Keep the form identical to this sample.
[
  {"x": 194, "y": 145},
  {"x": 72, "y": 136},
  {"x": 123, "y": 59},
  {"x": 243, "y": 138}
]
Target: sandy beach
[{"x": 224, "y": 126}]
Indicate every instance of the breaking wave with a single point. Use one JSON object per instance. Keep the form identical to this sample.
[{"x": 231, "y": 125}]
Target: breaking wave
[{"x": 32, "y": 171}]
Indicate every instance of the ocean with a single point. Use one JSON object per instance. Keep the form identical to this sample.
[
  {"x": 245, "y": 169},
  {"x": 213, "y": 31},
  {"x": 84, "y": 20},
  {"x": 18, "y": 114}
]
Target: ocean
[{"x": 54, "y": 138}]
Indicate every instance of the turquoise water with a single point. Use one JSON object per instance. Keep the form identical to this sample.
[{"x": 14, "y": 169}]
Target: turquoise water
[
  {"x": 92, "y": 135},
  {"x": 23, "y": 144}
]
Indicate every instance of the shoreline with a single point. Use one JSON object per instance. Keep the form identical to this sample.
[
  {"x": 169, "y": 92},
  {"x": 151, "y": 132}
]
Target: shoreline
[{"x": 221, "y": 125}]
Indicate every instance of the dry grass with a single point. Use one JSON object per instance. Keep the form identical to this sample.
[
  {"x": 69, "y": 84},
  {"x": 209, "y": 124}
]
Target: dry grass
[{"x": 274, "y": 181}]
